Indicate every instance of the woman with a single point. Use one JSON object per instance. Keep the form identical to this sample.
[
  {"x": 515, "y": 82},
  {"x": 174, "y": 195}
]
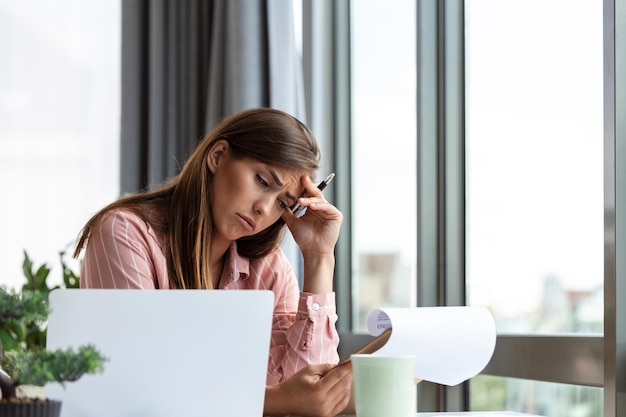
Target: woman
[{"x": 218, "y": 225}]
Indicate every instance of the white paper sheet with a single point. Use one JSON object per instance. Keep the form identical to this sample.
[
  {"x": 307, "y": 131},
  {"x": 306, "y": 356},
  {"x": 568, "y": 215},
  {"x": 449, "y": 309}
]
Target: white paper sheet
[{"x": 451, "y": 344}]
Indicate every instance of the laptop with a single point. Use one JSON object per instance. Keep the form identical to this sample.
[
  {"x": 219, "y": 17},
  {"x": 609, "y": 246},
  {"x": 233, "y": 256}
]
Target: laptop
[{"x": 170, "y": 353}]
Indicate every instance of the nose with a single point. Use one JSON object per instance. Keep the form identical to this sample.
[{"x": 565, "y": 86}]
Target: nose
[{"x": 263, "y": 205}]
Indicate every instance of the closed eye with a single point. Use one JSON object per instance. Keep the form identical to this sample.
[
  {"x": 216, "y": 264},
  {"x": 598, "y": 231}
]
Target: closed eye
[
  {"x": 262, "y": 181},
  {"x": 282, "y": 204}
]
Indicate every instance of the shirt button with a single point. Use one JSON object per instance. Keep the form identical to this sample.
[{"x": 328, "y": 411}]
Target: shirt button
[{"x": 315, "y": 306}]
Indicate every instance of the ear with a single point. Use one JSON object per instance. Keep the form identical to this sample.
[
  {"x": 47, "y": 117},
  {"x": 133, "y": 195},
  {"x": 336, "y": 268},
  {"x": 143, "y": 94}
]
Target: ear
[{"x": 217, "y": 154}]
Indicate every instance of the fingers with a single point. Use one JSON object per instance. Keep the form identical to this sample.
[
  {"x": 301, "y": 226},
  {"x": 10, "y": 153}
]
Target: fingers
[
  {"x": 310, "y": 188},
  {"x": 339, "y": 373},
  {"x": 321, "y": 391},
  {"x": 318, "y": 206},
  {"x": 318, "y": 369},
  {"x": 338, "y": 382},
  {"x": 311, "y": 192}
]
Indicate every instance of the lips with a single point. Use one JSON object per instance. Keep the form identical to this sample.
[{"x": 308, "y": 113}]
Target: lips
[{"x": 247, "y": 223}]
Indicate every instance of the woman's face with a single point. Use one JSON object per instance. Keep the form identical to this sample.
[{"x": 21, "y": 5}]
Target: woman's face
[{"x": 248, "y": 196}]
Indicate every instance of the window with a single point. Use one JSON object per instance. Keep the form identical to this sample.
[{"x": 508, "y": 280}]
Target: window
[
  {"x": 534, "y": 184},
  {"x": 534, "y": 164},
  {"x": 467, "y": 73},
  {"x": 383, "y": 103},
  {"x": 59, "y": 125}
]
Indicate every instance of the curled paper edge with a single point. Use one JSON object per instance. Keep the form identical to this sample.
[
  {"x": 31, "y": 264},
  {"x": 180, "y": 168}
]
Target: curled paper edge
[{"x": 451, "y": 344}]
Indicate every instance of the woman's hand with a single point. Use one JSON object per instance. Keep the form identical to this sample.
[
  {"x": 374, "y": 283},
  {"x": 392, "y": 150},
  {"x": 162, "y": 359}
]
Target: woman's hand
[
  {"x": 314, "y": 391},
  {"x": 316, "y": 233},
  {"x": 318, "y": 229}
]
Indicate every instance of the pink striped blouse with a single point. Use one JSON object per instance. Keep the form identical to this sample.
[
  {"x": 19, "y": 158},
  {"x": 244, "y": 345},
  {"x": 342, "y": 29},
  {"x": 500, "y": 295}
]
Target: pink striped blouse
[{"x": 125, "y": 252}]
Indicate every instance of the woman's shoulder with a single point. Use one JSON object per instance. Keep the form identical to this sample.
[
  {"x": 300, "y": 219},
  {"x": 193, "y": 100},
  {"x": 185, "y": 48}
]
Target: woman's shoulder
[
  {"x": 128, "y": 223},
  {"x": 126, "y": 220},
  {"x": 119, "y": 217}
]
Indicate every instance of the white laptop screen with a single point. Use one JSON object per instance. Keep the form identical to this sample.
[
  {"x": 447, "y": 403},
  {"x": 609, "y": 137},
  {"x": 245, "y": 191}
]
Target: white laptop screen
[{"x": 171, "y": 353}]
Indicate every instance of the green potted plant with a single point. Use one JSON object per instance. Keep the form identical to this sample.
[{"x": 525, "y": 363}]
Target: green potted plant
[{"x": 24, "y": 359}]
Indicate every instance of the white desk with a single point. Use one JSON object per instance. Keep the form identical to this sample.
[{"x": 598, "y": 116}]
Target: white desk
[
  {"x": 467, "y": 414},
  {"x": 477, "y": 414}
]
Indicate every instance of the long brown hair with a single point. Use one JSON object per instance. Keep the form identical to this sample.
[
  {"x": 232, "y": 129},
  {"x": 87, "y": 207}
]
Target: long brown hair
[{"x": 270, "y": 136}]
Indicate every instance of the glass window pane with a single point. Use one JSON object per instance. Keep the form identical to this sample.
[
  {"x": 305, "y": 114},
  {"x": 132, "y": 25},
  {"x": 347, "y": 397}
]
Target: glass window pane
[
  {"x": 384, "y": 156},
  {"x": 534, "y": 163},
  {"x": 490, "y": 393},
  {"x": 59, "y": 125}
]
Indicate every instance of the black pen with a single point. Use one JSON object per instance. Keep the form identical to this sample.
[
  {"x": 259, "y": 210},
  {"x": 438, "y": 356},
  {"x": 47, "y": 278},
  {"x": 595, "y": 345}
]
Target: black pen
[{"x": 297, "y": 209}]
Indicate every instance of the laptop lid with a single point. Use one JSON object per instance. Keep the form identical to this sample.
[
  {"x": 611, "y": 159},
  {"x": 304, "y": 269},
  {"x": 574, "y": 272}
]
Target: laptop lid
[{"x": 171, "y": 353}]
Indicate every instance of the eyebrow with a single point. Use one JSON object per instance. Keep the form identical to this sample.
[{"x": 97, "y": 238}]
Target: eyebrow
[
  {"x": 276, "y": 179},
  {"x": 280, "y": 184}
]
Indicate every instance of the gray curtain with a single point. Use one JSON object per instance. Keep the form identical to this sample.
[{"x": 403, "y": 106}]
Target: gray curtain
[
  {"x": 253, "y": 57},
  {"x": 186, "y": 64},
  {"x": 165, "y": 62}
]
